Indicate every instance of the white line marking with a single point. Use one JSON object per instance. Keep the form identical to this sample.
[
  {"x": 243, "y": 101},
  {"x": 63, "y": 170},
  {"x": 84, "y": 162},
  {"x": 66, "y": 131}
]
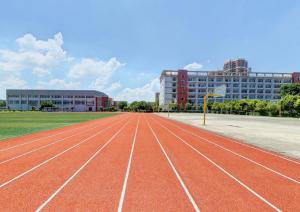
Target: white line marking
[
  {"x": 82, "y": 167},
  {"x": 223, "y": 170},
  {"x": 45, "y": 146},
  {"x": 237, "y": 154},
  {"x": 243, "y": 144},
  {"x": 38, "y": 139},
  {"x": 176, "y": 173},
  {"x": 121, "y": 201},
  {"x": 55, "y": 156}
]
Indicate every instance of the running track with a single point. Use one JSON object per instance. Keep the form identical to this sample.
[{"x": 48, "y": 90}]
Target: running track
[{"x": 142, "y": 162}]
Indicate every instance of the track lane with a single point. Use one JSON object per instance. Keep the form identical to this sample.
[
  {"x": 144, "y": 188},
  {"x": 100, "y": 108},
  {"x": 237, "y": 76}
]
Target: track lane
[
  {"x": 152, "y": 185},
  {"x": 14, "y": 153},
  {"x": 23, "y": 141},
  {"x": 32, "y": 189},
  {"x": 212, "y": 189},
  {"x": 98, "y": 186},
  {"x": 15, "y": 168},
  {"x": 281, "y": 191},
  {"x": 286, "y": 166}
]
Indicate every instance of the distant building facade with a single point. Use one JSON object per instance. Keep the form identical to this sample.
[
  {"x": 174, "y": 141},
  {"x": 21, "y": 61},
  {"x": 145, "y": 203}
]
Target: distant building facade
[
  {"x": 157, "y": 97},
  {"x": 64, "y": 100},
  {"x": 182, "y": 86}
]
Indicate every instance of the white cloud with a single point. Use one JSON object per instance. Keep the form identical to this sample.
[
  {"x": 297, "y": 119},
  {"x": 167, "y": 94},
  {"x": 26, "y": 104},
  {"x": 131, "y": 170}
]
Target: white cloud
[
  {"x": 113, "y": 87},
  {"x": 40, "y": 72},
  {"x": 193, "y": 67},
  {"x": 90, "y": 67},
  {"x": 146, "y": 92},
  {"x": 33, "y": 54},
  {"x": 11, "y": 82},
  {"x": 58, "y": 84},
  {"x": 100, "y": 71}
]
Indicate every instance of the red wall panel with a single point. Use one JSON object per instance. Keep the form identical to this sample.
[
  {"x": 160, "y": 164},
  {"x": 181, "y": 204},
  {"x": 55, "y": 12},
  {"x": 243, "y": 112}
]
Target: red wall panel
[{"x": 182, "y": 88}]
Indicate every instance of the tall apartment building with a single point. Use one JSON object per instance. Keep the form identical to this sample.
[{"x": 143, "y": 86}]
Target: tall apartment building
[
  {"x": 64, "y": 100},
  {"x": 236, "y": 66},
  {"x": 184, "y": 86}
]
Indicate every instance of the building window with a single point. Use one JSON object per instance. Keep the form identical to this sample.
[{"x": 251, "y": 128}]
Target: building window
[
  {"x": 33, "y": 102},
  {"x": 77, "y": 102},
  {"x": 260, "y": 91},
  {"x": 277, "y": 81},
  {"x": 13, "y": 96},
  {"x": 268, "y": 86},
  {"x": 45, "y": 96},
  {"x": 268, "y": 80},
  {"x": 56, "y": 96}
]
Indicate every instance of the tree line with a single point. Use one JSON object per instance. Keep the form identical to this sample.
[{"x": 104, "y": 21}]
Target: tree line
[{"x": 288, "y": 105}]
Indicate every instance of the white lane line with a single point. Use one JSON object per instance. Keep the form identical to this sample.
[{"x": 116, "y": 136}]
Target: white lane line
[
  {"x": 237, "y": 154},
  {"x": 55, "y": 156},
  {"x": 191, "y": 199},
  {"x": 45, "y": 146},
  {"x": 121, "y": 201},
  {"x": 82, "y": 167},
  {"x": 240, "y": 143},
  {"x": 38, "y": 139},
  {"x": 224, "y": 171}
]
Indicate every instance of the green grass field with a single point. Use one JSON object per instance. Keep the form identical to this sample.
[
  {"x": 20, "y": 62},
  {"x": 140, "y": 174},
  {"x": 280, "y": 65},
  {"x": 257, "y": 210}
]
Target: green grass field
[{"x": 14, "y": 124}]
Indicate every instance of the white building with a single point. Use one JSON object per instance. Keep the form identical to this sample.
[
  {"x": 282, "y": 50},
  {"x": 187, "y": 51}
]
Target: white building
[
  {"x": 64, "y": 100},
  {"x": 184, "y": 86}
]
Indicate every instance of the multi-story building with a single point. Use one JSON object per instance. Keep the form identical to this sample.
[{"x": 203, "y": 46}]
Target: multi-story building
[
  {"x": 157, "y": 97},
  {"x": 236, "y": 66},
  {"x": 64, "y": 100},
  {"x": 183, "y": 86}
]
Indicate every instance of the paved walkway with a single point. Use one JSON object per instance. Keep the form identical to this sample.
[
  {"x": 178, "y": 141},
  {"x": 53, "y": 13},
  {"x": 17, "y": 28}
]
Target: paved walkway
[{"x": 281, "y": 135}]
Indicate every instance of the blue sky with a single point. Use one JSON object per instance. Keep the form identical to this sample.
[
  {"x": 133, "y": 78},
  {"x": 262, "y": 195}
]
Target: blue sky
[{"x": 121, "y": 47}]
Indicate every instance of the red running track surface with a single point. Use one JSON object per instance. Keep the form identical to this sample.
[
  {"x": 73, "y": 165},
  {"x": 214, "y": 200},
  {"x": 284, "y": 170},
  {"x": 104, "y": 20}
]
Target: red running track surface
[{"x": 142, "y": 162}]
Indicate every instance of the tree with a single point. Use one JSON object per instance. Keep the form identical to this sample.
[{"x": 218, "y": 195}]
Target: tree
[
  {"x": 2, "y": 103},
  {"x": 290, "y": 89},
  {"x": 261, "y": 107},
  {"x": 47, "y": 104},
  {"x": 243, "y": 106},
  {"x": 122, "y": 105},
  {"x": 273, "y": 108},
  {"x": 297, "y": 106},
  {"x": 216, "y": 107},
  {"x": 287, "y": 104},
  {"x": 189, "y": 106},
  {"x": 172, "y": 106},
  {"x": 252, "y": 105}
]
